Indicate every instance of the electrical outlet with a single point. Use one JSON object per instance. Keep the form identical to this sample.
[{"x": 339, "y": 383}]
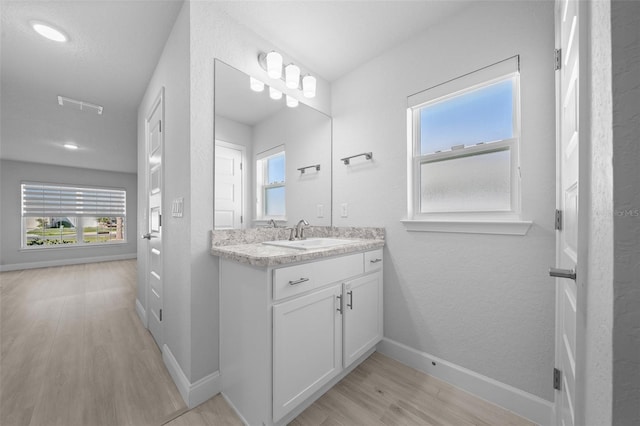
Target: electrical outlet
[
  {"x": 320, "y": 210},
  {"x": 344, "y": 210}
]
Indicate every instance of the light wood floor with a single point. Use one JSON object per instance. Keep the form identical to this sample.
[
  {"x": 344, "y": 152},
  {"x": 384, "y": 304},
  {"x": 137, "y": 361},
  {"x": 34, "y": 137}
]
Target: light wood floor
[{"x": 73, "y": 352}]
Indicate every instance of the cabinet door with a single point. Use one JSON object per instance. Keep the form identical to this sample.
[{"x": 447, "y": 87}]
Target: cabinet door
[
  {"x": 362, "y": 315},
  {"x": 307, "y": 337}
]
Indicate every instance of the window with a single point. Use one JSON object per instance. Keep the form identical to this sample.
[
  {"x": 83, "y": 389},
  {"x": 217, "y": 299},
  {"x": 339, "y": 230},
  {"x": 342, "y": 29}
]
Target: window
[
  {"x": 60, "y": 215},
  {"x": 270, "y": 174},
  {"x": 463, "y": 136}
]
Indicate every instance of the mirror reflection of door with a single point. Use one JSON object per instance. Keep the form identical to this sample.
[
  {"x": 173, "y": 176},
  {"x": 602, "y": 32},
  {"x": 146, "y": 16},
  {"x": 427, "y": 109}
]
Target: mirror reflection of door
[{"x": 229, "y": 186}]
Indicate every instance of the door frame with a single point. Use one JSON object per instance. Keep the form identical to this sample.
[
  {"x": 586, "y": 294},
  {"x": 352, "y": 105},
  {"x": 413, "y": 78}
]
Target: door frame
[
  {"x": 584, "y": 175},
  {"x": 157, "y": 103},
  {"x": 243, "y": 175}
]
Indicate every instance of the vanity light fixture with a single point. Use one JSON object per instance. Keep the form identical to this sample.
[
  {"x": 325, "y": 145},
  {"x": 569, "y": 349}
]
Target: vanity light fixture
[
  {"x": 70, "y": 146},
  {"x": 275, "y": 94},
  {"x": 292, "y": 76},
  {"x": 309, "y": 86},
  {"x": 49, "y": 32},
  {"x": 274, "y": 64},
  {"x": 291, "y": 102},
  {"x": 256, "y": 85}
]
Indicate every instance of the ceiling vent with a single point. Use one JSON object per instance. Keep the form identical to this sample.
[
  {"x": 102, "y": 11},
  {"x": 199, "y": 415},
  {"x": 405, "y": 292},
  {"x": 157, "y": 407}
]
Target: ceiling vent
[{"x": 79, "y": 105}]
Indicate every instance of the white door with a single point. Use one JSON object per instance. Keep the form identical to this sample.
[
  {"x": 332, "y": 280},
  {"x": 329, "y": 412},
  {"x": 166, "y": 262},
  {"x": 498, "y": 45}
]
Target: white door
[
  {"x": 569, "y": 238},
  {"x": 307, "y": 337},
  {"x": 154, "y": 158},
  {"x": 362, "y": 316},
  {"x": 228, "y": 186}
]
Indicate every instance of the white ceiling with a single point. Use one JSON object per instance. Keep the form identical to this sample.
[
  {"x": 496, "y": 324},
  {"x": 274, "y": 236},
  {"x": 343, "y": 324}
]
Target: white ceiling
[
  {"x": 115, "y": 45},
  {"x": 335, "y": 37},
  {"x": 112, "y": 52}
]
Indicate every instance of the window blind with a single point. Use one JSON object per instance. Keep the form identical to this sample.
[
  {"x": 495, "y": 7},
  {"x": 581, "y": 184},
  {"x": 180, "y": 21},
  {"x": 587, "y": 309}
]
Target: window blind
[{"x": 43, "y": 200}]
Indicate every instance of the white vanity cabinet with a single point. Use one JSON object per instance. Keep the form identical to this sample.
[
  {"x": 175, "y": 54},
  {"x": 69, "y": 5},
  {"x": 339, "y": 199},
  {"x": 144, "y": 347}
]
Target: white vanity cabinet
[
  {"x": 290, "y": 332},
  {"x": 307, "y": 342}
]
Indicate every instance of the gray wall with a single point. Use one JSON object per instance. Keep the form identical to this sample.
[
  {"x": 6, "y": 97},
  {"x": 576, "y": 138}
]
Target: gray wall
[
  {"x": 625, "y": 37},
  {"x": 15, "y": 172},
  {"x": 172, "y": 74},
  {"x": 483, "y": 302},
  {"x": 598, "y": 312}
]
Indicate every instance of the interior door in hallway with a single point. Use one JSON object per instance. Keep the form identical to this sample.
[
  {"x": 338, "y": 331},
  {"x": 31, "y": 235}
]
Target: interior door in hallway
[
  {"x": 228, "y": 186},
  {"x": 570, "y": 238},
  {"x": 154, "y": 156}
]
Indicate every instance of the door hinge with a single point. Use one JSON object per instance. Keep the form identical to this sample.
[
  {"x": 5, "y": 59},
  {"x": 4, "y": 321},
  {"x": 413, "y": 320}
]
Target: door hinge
[
  {"x": 160, "y": 126},
  {"x": 557, "y": 377},
  {"x": 160, "y": 314},
  {"x": 241, "y": 219},
  {"x": 558, "y": 222},
  {"x": 558, "y": 58},
  {"x": 159, "y": 220},
  {"x": 240, "y": 166}
]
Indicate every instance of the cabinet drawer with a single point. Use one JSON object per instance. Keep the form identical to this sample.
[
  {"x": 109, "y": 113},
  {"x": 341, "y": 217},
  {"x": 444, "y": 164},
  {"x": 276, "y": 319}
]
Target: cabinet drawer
[
  {"x": 292, "y": 280},
  {"x": 373, "y": 260}
]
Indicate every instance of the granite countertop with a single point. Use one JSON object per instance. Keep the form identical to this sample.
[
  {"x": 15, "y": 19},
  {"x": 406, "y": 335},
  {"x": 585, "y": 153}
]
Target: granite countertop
[{"x": 246, "y": 246}]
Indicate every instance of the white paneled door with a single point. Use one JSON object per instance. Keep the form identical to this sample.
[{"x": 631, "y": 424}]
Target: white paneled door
[
  {"x": 154, "y": 157},
  {"x": 569, "y": 237},
  {"x": 228, "y": 186}
]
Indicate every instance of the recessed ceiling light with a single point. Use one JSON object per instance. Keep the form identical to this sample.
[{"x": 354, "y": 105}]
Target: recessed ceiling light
[
  {"x": 71, "y": 146},
  {"x": 49, "y": 32}
]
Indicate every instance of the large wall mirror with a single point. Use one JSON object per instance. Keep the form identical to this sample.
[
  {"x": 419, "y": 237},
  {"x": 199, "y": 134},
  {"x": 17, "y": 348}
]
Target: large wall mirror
[{"x": 272, "y": 162}]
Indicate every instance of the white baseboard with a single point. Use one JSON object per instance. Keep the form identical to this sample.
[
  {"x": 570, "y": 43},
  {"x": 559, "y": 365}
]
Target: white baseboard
[
  {"x": 142, "y": 313},
  {"x": 524, "y": 404},
  {"x": 65, "y": 262},
  {"x": 196, "y": 393}
]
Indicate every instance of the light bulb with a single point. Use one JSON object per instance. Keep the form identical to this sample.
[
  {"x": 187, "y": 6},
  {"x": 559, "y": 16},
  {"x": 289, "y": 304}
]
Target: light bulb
[
  {"x": 292, "y": 102},
  {"x": 292, "y": 76},
  {"x": 275, "y": 94},
  {"x": 49, "y": 32},
  {"x": 70, "y": 146},
  {"x": 256, "y": 85},
  {"x": 274, "y": 64},
  {"x": 309, "y": 86}
]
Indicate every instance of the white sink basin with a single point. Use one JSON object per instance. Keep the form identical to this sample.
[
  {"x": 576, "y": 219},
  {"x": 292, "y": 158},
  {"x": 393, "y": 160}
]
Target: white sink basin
[{"x": 309, "y": 244}]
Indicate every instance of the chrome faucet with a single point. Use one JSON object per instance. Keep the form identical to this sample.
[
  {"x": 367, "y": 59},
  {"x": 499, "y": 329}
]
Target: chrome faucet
[
  {"x": 300, "y": 229},
  {"x": 272, "y": 224}
]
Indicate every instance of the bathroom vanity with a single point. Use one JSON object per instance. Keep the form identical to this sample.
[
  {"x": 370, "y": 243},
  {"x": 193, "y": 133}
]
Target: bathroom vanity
[{"x": 294, "y": 321}]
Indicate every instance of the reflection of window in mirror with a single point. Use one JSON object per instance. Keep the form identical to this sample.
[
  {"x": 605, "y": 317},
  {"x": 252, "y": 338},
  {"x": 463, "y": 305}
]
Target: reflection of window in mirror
[{"x": 270, "y": 188}]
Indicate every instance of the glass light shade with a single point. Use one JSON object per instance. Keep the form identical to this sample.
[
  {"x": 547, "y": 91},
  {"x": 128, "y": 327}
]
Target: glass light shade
[
  {"x": 292, "y": 102},
  {"x": 309, "y": 86},
  {"x": 274, "y": 64},
  {"x": 292, "y": 76},
  {"x": 256, "y": 85},
  {"x": 49, "y": 32},
  {"x": 275, "y": 93}
]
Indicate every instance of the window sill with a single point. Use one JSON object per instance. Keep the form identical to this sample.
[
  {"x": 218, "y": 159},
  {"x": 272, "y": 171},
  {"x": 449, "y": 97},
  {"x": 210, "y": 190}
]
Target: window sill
[
  {"x": 496, "y": 227},
  {"x": 70, "y": 246}
]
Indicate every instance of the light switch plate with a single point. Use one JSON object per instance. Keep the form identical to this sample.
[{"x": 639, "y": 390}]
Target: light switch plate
[
  {"x": 320, "y": 210},
  {"x": 177, "y": 207},
  {"x": 344, "y": 210}
]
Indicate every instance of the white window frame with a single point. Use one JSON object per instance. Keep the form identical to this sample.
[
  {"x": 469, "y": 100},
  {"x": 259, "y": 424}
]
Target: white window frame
[
  {"x": 261, "y": 187},
  {"x": 485, "y": 222},
  {"x": 78, "y": 213}
]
